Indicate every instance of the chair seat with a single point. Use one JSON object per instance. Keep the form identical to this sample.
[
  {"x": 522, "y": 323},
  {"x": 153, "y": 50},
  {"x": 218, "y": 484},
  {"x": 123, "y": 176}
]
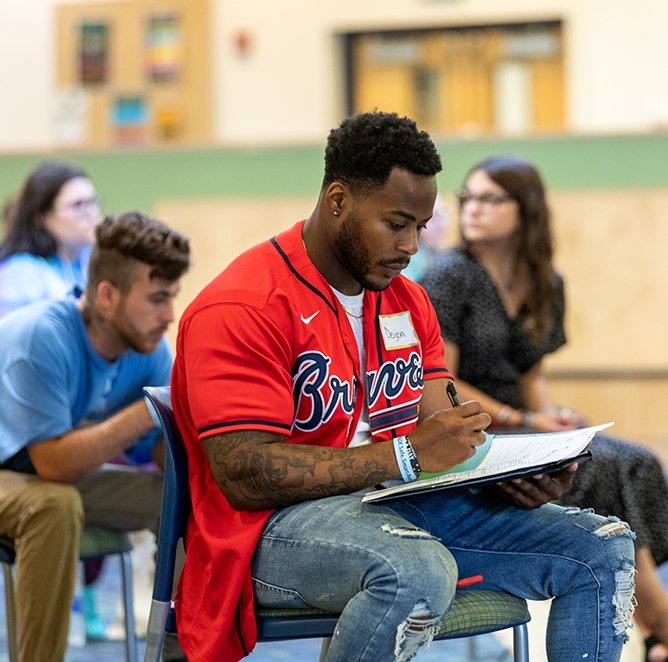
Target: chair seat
[
  {"x": 476, "y": 611},
  {"x": 97, "y": 541},
  {"x": 280, "y": 624},
  {"x": 472, "y": 612}
]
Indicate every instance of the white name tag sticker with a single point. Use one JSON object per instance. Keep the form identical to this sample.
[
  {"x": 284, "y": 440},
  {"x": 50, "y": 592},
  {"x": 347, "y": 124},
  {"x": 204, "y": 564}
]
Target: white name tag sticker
[{"x": 398, "y": 331}]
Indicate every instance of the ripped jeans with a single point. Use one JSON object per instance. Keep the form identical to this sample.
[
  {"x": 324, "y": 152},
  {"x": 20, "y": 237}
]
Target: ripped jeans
[{"x": 391, "y": 569}]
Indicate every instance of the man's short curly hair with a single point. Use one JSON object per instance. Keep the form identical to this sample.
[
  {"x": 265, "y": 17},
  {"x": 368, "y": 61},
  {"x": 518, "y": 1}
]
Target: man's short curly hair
[
  {"x": 121, "y": 242},
  {"x": 364, "y": 149}
]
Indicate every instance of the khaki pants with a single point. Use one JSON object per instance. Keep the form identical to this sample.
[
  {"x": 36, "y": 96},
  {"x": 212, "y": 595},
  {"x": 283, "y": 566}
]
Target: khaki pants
[
  {"x": 44, "y": 520},
  {"x": 121, "y": 498}
]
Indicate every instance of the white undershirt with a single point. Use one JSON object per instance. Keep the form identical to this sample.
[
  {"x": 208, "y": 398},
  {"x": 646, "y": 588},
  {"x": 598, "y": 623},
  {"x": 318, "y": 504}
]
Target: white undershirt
[{"x": 353, "y": 305}]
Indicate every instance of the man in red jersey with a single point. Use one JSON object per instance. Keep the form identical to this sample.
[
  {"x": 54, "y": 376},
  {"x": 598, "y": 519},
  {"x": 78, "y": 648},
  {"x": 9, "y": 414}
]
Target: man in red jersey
[{"x": 310, "y": 370}]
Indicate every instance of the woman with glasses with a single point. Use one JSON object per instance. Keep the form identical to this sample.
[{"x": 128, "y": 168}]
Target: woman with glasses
[
  {"x": 501, "y": 306},
  {"x": 49, "y": 232}
]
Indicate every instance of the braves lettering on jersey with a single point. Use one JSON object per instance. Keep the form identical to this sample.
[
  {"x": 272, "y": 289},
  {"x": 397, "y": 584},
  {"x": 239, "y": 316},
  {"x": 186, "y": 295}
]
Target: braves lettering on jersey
[{"x": 267, "y": 346}]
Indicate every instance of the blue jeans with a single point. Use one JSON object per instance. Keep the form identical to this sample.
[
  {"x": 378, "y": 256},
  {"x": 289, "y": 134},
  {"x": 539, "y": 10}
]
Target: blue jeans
[{"x": 391, "y": 569}]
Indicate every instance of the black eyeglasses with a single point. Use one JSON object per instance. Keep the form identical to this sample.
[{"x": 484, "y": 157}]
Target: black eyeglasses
[{"x": 486, "y": 199}]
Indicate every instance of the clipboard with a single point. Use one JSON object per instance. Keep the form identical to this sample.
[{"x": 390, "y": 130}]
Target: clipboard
[
  {"x": 388, "y": 493},
  {"x": 501, "y": 457}
]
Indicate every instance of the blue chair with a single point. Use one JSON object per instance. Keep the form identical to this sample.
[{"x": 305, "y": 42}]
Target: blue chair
[{"x": 473, "y": 612}]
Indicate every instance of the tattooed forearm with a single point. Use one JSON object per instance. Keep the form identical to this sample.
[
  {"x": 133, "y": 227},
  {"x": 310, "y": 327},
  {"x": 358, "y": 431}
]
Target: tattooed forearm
[{"x": 258, "y": 470}]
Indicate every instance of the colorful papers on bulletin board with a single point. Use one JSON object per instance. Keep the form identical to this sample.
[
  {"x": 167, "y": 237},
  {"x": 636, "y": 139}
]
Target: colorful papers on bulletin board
[
  {"x": 163, "y": 47},
  {"x": 93, "y": 52},
  {"x": 129, "y": 119}
]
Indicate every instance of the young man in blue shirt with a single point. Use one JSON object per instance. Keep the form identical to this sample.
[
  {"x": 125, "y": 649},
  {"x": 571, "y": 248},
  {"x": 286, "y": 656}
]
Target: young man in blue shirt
[{"x": 71, "y": 378}]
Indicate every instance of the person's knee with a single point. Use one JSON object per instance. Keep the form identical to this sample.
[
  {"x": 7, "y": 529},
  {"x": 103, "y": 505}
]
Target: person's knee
[
  {"x": 426, "y": 576},
  {"x": 59, "y": 506},
  {"x": 424, "y": 571}
]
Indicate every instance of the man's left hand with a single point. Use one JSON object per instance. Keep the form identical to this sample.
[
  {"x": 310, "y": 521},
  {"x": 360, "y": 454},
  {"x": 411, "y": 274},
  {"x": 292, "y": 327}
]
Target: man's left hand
[{"x": 534, "y": 491}]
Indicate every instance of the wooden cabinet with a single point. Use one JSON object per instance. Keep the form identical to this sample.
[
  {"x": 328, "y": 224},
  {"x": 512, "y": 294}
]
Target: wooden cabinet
[{"x": 134, "y": 72}]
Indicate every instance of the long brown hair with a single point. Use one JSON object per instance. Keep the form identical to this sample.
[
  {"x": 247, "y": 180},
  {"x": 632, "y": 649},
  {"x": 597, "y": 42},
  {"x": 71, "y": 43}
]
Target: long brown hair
[
  {"x": 523, "y": 183},
  {"x": 25, "y": 231}
]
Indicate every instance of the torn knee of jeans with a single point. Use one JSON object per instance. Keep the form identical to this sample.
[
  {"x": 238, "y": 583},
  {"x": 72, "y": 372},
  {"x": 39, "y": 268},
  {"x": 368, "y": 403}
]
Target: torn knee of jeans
[
  {"x": 407, "y": 532},
  {"x": 574, "y": 510},
  {"x": 613, "y": 526},
  {"x": 623, "y": 600},
  {"x": 415, "y": 632}
]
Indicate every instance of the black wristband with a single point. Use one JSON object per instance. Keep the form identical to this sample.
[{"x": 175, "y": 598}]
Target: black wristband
[{"x": 412, "y": 456}]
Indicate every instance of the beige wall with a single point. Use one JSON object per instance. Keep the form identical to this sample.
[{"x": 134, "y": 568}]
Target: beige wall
[
  {"x": 288, "y": 86},
  {"x": 615, "y": 366},
  {"x": 611, "y": 246},
  {"x": 220, "y": 230}
]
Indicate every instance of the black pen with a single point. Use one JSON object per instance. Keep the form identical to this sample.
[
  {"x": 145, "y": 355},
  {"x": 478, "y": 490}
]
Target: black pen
[{"x": 451, "y": 390}]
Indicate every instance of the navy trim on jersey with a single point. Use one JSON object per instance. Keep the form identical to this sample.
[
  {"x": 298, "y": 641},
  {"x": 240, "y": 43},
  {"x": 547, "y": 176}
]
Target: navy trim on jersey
[
  {"x": 248, "y": 421},
  {"x": 398, "y": 417},
  {"x": 432, "y": 371},
  {"x": 299, "y": 277}
]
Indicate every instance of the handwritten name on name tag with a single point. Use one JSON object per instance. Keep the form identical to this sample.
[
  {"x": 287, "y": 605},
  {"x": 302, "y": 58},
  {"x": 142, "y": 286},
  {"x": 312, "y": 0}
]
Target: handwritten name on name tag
[{"x": 398, "y": 331}]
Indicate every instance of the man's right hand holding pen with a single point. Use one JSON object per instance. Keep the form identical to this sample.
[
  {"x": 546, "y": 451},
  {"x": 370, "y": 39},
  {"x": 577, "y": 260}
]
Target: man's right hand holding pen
[
  {"x": 445, "y": 435},
  {"x": 450, "y": 435}
]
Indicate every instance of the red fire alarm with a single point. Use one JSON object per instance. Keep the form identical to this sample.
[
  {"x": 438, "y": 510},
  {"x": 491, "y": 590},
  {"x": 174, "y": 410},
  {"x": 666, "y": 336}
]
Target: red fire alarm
[{"x": 242, "y": 41}]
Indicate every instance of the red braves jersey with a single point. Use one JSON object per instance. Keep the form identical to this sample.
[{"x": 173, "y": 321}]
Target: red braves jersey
[{"x": 267, "y": 346}]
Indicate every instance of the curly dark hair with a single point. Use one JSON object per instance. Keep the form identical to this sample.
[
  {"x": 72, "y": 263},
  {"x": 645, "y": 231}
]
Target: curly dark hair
[
  {"x": 364, "y": 149},
  {"x": 135, "y": 237}
]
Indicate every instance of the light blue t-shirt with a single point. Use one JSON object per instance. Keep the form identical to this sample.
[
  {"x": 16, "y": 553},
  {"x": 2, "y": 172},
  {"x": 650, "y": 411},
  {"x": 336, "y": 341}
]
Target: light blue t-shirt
[
  {"x": 26, "y": 278},
  {"x": 52, "y": 380}
]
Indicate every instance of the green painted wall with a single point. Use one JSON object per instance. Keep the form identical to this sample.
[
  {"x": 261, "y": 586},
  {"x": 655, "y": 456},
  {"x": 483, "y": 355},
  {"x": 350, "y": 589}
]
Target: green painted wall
[{"x": 137, "y": 179}]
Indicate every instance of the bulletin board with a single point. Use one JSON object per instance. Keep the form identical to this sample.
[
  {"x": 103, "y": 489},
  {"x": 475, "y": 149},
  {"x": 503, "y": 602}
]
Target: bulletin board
[{"x": 133, "y": 73}]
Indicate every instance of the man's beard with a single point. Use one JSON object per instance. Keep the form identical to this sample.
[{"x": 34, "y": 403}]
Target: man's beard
[
  {"x": 353, "y": 255},
  {"x": 133, "y": 338}
]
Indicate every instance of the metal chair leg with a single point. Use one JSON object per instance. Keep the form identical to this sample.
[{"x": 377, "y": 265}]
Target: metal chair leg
[
  {"x": 10, "y": 607},
  {"x": 521, "y": 643},
  {"x": 128, "y": 606},
  {"x": 155, "y": 633},
  {"x": 324, "y": 648},
  {"x": 472, "y": 646}
]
